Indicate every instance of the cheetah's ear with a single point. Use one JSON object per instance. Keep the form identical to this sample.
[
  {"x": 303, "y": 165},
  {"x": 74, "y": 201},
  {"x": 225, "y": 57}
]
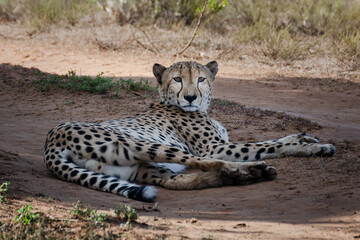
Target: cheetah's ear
[
  {"x": 158, "y": 71},
  {"x": 213, "y": 67}
]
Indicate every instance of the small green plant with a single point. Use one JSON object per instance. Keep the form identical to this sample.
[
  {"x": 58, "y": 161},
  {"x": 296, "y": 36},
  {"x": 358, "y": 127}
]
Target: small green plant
[
  {"x": 26, "y": 216},
  {"x": 127, "y": 213},
  {"x": 87, "y": 214},
  {"x": 3, "y": 188}
]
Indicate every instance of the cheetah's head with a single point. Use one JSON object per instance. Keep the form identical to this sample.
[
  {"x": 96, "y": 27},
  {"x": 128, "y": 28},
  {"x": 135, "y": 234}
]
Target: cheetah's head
[{"x": 186, "y": 84}]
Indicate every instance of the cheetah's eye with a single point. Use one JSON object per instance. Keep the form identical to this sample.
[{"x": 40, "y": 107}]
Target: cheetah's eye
[
  {"x": 201, "y": 79},
  {"x": 177, "y": 79}
]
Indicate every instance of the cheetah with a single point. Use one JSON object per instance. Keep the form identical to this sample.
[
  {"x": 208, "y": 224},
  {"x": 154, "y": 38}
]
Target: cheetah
[{"x": 128, "y": 156}]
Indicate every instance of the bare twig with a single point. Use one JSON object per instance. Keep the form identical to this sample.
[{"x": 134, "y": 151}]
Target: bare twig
[
  {"x": 153, "y": 208},
  {"x": 106, "y": 46},
  {"x": 138, "y": 42},
  {"x": 196, "y": 30},
  {"x": 150, "y": 41}
]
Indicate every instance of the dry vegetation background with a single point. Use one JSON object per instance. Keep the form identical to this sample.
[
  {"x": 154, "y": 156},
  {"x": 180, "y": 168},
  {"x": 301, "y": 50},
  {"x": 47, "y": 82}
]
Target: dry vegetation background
[
  {"x": 279, "y": 32},
  {"x": 289, "y": 38}
]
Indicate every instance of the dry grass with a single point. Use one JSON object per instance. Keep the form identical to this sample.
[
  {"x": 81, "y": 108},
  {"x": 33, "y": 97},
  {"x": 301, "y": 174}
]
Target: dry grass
[
  {"x": 281, "y": 31},
  {"x": 282, "y": 46},
  {"x": 39, "y": 14},
  {"x": 347, "y": 50}
]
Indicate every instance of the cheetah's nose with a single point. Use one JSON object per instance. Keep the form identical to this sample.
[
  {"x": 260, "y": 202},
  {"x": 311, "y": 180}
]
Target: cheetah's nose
[{"x": 190, "y": 98}]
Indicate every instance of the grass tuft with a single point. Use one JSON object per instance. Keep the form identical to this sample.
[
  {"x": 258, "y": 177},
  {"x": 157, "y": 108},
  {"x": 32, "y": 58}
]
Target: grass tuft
[
  {"x": 94, "y": 85},
  {"x": 282, "y": 46},
  {"x": 347, "y": 50},
  {"x": 87, "y": 214}
]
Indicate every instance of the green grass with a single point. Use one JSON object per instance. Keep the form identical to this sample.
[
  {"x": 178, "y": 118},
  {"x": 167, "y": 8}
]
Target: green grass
[
  {"x": 3, "y": 188},
  {"x": 75, "y": 83},
  {"x": 94, "y": 85},
  {"x": 26, "y": 216}
]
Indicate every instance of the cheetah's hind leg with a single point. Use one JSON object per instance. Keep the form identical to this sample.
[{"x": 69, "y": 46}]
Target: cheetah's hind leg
[{"x": 249, "y": 172}]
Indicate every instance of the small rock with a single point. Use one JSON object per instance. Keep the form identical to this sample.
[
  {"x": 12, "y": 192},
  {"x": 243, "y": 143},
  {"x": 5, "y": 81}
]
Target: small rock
[{"x": 240, "y": 225}]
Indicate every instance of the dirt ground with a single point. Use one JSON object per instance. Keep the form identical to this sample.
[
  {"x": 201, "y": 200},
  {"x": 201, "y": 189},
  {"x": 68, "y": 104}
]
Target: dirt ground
[{"x": 312, "y": 198}]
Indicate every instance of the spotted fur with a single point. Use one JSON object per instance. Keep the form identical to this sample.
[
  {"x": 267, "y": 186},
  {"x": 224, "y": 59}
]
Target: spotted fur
[{"x": 155, "y": 146}]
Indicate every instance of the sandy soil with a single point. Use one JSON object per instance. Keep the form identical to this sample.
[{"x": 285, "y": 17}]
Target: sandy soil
[{"x": 314, "y": 198}]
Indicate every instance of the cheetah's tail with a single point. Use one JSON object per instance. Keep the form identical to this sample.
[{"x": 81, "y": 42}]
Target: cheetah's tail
[{"x": 63, "y": 167}]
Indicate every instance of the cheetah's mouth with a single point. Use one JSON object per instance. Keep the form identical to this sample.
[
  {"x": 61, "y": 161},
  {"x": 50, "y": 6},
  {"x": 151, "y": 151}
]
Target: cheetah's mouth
[{"x": 189, "y": 108}]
